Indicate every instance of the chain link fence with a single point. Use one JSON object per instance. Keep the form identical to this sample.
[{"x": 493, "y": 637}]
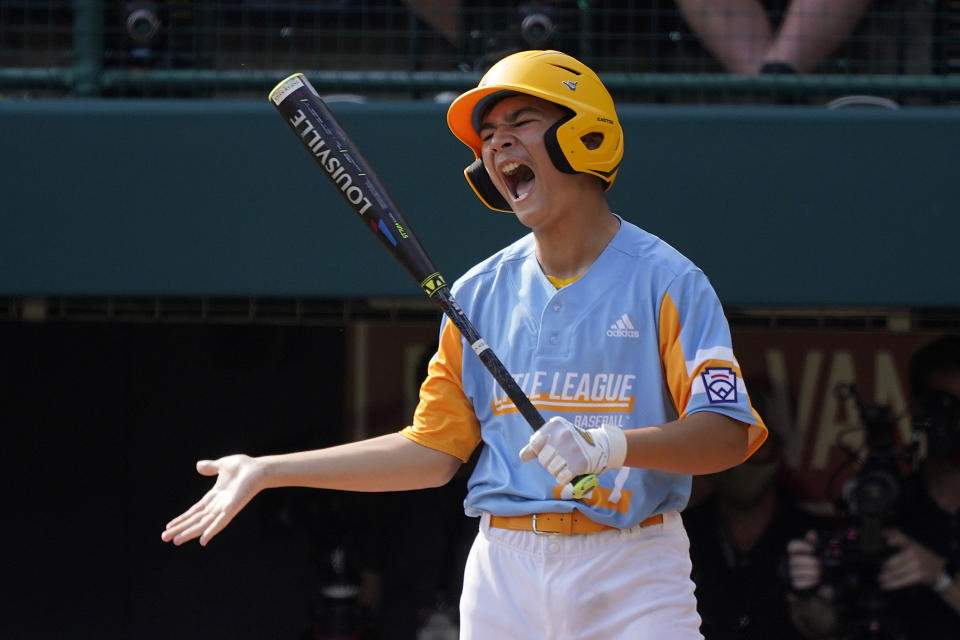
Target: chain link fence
[{"x": 683, "y": 51}]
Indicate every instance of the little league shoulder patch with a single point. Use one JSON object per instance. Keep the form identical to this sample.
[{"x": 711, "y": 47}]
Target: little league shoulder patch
[{"x": 720, "y": 384}]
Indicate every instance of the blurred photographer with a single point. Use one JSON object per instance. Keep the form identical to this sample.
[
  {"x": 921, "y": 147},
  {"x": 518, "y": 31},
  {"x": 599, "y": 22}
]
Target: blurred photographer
[
  {"x": 737, "y": 536},
  {"x": 907, "y": 589}
]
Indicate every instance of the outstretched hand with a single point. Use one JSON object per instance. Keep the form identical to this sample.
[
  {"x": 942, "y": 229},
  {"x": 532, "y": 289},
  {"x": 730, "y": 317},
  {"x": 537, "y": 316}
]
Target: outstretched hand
[{"x": 239, "y": 479}]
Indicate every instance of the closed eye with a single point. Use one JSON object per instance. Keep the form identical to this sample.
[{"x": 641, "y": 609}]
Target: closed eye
[{"x": 515, "y": 125}]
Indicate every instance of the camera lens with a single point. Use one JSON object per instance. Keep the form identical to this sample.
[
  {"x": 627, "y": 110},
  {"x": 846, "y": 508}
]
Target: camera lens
[
  {"x": 876, "y": 493},
  {"x": 537, "y": 29},
  {"x": 142, "y": 24}
]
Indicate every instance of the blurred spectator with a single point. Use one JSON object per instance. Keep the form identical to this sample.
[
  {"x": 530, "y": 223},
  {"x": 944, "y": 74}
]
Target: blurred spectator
[
  {"x": 441, "y": 16},
  {"x": 737, "y": 537},
  {"x": 742, "y": 37},
  {"x": 912, "y": 591}
]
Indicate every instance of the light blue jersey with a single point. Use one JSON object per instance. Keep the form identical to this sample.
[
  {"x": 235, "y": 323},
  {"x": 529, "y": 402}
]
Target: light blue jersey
[{"x": 638, "y": 340}]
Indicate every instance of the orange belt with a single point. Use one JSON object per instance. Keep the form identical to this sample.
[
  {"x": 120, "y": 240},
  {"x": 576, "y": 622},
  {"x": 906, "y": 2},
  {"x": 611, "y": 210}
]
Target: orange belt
[{"x": 560, "y": 523}]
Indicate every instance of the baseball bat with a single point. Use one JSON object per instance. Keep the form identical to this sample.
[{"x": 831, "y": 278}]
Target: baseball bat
[{"x": 328, "y": 143}]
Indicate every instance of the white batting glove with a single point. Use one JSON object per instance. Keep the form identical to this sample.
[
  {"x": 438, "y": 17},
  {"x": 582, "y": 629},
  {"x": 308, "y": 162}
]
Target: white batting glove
[{"x": 567, "y": 451}]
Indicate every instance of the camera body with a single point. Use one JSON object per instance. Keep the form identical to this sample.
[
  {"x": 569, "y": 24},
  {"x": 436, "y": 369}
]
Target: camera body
[{"x": 853, "y": 551}]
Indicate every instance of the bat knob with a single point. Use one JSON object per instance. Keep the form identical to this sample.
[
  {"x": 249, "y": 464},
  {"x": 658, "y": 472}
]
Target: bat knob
[{"x": 583, "y": 485}]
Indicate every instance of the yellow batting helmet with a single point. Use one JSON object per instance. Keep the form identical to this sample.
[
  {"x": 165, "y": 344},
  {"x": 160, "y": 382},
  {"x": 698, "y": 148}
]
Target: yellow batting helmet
[{"x": 557, "y": 78}]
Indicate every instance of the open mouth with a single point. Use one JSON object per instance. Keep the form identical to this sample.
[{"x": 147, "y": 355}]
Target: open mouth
[{"x": 519, "y": 179}]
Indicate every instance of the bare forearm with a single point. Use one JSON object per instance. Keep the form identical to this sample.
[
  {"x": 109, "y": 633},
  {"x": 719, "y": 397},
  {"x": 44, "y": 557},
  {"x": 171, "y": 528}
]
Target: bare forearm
[
  {"x": 703, "y": 442},
  {"x": 387, "y": 463}
]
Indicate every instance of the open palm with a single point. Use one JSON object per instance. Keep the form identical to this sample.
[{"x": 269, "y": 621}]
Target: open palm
[{"x": 238, "y": 481}]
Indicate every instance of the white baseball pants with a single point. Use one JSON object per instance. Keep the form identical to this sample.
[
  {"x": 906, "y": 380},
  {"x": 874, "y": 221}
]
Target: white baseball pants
[{"x": 630, "y": 585}]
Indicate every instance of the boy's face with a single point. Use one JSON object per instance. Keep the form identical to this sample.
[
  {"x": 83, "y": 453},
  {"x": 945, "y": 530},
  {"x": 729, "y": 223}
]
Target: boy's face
[{"x": 514, "y": 154}]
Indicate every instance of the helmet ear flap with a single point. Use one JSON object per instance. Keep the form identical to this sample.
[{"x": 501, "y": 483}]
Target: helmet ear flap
[
  {"x": 483, "y": 186},
  {"x": 552, "y": 143}
]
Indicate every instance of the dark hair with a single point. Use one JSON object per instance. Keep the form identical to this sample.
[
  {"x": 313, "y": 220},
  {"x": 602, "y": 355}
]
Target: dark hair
[{"x": 941, "y": 354}]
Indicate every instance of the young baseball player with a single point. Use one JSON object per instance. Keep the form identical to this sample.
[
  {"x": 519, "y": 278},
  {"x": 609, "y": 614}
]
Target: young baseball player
[{"x": 617, "y": 339}]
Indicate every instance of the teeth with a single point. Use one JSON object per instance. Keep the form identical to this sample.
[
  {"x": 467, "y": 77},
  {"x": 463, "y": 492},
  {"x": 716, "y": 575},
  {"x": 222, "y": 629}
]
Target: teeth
[{"x": 510, "y": 167}]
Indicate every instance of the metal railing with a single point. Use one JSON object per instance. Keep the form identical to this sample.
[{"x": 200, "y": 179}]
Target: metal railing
[{"x": 908, "y": 50}]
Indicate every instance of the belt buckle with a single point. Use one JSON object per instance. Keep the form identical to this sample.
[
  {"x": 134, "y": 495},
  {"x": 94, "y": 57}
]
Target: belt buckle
[{"x": 542, "y": 533}]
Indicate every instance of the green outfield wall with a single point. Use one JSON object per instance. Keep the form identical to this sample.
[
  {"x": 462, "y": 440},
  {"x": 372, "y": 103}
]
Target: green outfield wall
[{"x": 780, "y": 206}]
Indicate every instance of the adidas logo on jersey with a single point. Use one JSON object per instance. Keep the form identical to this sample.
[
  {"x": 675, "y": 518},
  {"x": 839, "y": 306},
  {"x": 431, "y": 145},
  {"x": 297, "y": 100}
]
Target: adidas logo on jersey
[{"x": 623, "y": 328}]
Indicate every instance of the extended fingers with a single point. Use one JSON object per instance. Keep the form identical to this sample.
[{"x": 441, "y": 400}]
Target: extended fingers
[
  {"x": 195, "y": 527},
  {"x": 178, "y": 532},
  {"x": 219, "y": 522},
  {"x": 189, "y": 513},
  {"x": 202, "y": 522},
  {"x": 187, "y": 520},
  {"x": 236, "y": 484}
]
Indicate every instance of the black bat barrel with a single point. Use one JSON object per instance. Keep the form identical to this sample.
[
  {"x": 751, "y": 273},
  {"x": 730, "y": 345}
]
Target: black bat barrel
[{"x": 326, "y": 141}]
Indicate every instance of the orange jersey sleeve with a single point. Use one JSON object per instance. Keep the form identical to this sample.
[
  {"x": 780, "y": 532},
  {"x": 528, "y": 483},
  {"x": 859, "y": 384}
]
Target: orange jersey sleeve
[
  {"x": 682, "y": 370},
  {"x": 444, "y": 419}
]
